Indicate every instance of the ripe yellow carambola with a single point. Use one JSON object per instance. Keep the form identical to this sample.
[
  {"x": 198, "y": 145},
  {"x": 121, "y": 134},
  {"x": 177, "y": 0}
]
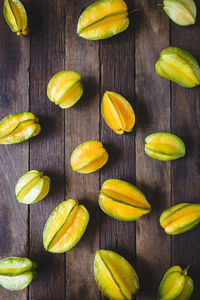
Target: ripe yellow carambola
[
  {"x": 176, "y": 285},
  {"x": 65, "y": 88},
  {"x": 18, "y": 127},
  {"x": 117, "y": 112},
  {"x": 88, "y": 157},
  {"x": 178, "y": 66},
  {"x": 32, "y": 187},
  {"x": 164, "y": 146},
  {"x": 16, "y": 273},
  {"x": 16, "y": 17},
  {"x": 181, "y": 12},
  {"x": 180, "y": 218},
  {"x": 103, "y": 19},
  {"x": 65, "y": 226},
  {"x": 122, "y": 200},
  {"x": 114, "y": 276}
]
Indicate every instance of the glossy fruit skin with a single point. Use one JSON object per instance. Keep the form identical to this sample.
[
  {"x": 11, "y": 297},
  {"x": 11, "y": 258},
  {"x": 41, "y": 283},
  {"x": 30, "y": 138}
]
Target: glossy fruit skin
[
  {"x": 164, "y": 146},
  {"x": 176, "y": 285},
  {"x": 114, "y": 276},
  {"x": 65, "y": 226},
  {"x": 179, "y": 66},
  {"x": 88, "y": 157},
  {"x": 180, "y": 218},
  {"x": 123, "y": 201},
  {"x": 181, "y": 12},
  {"x": 16, "y": 17},
  {"x": 18, "y": 127},
  {"x": 16, "y": 273},
  {"x": 65, "y": 88},
  {"x": 117, "y": 112},
  {"x": 103, "y": 19},
  {"x": 32, "y": 187}
]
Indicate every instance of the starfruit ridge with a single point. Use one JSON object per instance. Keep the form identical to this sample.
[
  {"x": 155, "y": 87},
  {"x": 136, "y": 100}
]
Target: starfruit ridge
[
  {"x": 181, "y": 12},
  {"x": 18, "y": 127},
  {"x": 105, "y": 9},
  {"x": 16, "y": 17}
]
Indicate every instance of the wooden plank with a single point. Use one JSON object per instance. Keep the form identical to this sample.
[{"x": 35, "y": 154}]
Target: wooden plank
[
  {"x": 117, "y": 74},
  {"x": 153, "y": 115},
  {"x": 14, "y": 97},
  {"x": 82, "y": 124},
  {"x": 185, "y": 172},
  {"x": 47, "y": 150}
]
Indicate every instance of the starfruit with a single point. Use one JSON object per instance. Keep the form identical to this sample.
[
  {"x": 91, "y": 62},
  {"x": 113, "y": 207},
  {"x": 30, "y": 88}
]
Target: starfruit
[
  {"x": 117, "y": 112},
  {"x": 176, "y": 285},
  {"x": 88, "y": 157},
  {"x": 18, "y": 127},
  {"x": 16, "y": 273},
  {"x": 181, "y": 12},
  {"x": 16, "y": 17},
  {"x": 122, "y": 200},
  {"x": 178, "y": 66},
  {"x": 65, "y": 88},
  {"x": 103, "y": 19},
  {"x": 164, "y": 146},
  {"x": 65, "y": 226},
  {"x": 114, "y": 276},
  {"x": 180, "y": 218},
  {"x": 32, "y": 187}
]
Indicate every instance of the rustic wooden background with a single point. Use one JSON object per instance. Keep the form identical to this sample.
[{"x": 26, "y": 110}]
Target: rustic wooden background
[{"x": 124, "y": 64}]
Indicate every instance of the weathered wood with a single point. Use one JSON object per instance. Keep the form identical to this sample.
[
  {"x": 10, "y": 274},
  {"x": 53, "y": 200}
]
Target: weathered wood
[
  {"x": 14, "y": 97},
  {"x": 124, "y": 64},
  {"x": 82, "y": 124},
  {"x": 47, "y": 150},
  {"x": 185, "y": 123},
  {"x": 152, "y": 115},
  {"x": 117, "y": 74}
]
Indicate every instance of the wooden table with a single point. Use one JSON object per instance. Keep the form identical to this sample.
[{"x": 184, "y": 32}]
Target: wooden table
[{"x": 124, "y": 64}]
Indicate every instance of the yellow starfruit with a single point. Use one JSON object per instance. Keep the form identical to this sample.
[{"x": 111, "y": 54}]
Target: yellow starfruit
[
  {"x": 65, "y": 88},
  {"x": 103, "y": 19},
  {"x": 164, "y": 146},
  {"x": 180, "y": 218},
  {"x": 122, "y": 200},
  {"x": 176, "y": 285},
  {"x": 178, "y": 66},
  {"x": 114, "y": 276},
  {"x": 65, "y": 226},
  {"x": 117, "y": 112},
  {"x": 18, "y": 127},
  {"x": 16, "y": 17},
  {"x": 89, "y": 157},
  {"x": 32, "y": 187},
  {"x": 181, "y": 12},
  {"x": 16, "y": 273}
]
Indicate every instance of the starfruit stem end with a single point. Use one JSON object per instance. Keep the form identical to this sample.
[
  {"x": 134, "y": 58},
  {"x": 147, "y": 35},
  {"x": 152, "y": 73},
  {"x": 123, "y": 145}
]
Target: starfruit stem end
[
  {"x": 34, "y": 265},
  {"x": 185, "y": 271},
  {"x": 133, "y": 11}
]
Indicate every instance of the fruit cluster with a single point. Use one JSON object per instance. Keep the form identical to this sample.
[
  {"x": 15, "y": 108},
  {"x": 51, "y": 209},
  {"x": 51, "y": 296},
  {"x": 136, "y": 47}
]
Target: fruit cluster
[{"x": 119, "y": 199}]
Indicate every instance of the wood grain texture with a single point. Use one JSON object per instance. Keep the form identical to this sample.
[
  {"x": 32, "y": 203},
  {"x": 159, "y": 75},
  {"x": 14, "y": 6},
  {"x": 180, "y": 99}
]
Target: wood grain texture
[
  {"x": 152, "y": 176},
  {"x": 14, "y": 97},
  {"x": 47, "y": 150},
  {"x": 124, "y": 64},
  {"x": 82, "y": 124},
  {"x": 185, "y": 172},
  {"x": 117, "y": 75}
]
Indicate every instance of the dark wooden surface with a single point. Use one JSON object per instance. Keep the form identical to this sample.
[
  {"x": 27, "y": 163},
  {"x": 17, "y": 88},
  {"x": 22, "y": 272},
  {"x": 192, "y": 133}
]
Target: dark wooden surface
[{"x": 124, "y": 64}]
